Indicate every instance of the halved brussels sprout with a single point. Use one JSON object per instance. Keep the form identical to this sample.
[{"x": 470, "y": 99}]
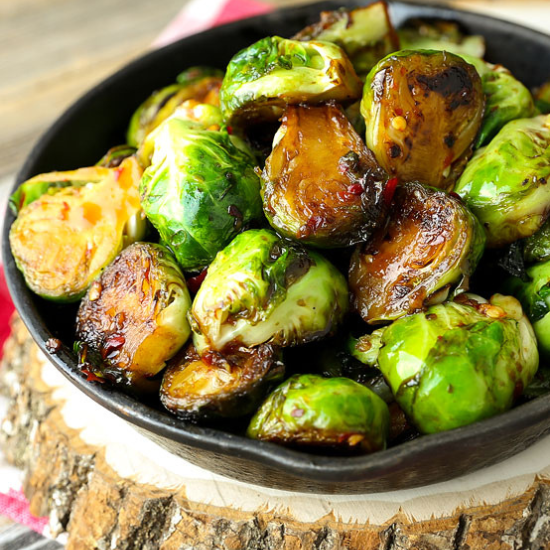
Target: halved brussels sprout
[
  {"x": 263, "y": 78},
  {"x": 534, "y": 295},
  {"x": 505, "y": 183},
  {"x": 458, "y": 363},
  {"x": 312, "y": 411},
  {"x": 115, "y": 155},
  {"x": 438, "y": 34},
  {"x": 198, "y": 83},
  {"x": 200, "y": 190},
  {"x": 133, "y": 318},
  {"x": 321, "y": 185},
  {"x": 263, "y": 289},
  {"x": 366, "y": 34},
  {"x": 52, "y": 182},
  {"x": 215, "y": 386},
  {"x": 62, "y": 240},
  {"x": 542, "y": 98},
  {"x": 506, "y": 99},
  {"x": 423, "y": 110},
  {"x": 431, "y": 245}
]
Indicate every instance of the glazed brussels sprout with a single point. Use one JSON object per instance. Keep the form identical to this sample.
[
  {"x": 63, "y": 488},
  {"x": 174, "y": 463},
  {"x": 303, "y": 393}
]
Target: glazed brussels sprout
[
  {"x": 423, "y": 110},
  {"x": 505, "y": 183},
  {"x": 366, "y": 34},
  {"x": 52, "y": 182},
  {"x": 263, "y": 78},
  {"x": 201, "y": 84},
  {"x": 534, "y": 295},
  {"x": 312, "y": 411},
  {"x": 215, "y": 386},
  {"x": 133, "y": 318},
  {"x": 458, "y": 363},
  {"x": 200, "y": 190},
  {"x": 542, "y": 98},
  {"x": 263, "y": 289},
  {"x": 431, "y": 244},
  {"x": 320, "y": 184},
  {"x": 506, "y": 99},
  {"x": 438, "y": 34},
  {"x": 115, "y": 155},
  {"x": 62, "y": 240}
]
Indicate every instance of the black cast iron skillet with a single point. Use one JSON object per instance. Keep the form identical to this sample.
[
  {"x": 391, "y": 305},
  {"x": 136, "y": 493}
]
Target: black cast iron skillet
[{"x": 98, "y": 121}]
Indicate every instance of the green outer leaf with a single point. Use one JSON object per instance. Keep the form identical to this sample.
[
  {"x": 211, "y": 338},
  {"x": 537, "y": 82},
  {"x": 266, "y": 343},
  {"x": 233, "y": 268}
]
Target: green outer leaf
[
  {"x": 195, "y": 176},
  {"x": 263, "y": 289},
  {"x": 310, "y": 409},
  {"x": 454, "y": 365},
  {"x": 194, "y": 74},
  {"x": 275, "y": 71},
  {"x": 536, "y": 248},
  {"x": 505, "y": 183}
]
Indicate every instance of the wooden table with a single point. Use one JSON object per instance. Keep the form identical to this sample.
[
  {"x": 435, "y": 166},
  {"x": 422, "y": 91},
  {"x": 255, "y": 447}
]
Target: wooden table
[{"x": 51, "y": 51}]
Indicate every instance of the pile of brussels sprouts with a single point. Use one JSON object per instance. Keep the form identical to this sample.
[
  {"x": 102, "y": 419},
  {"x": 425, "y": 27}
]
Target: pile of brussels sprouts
[{"x": 289, "y": 248}]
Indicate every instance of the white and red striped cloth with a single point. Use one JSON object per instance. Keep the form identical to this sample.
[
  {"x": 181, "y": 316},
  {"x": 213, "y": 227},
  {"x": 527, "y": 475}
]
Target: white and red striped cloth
[{"x": 193, "y": 18}]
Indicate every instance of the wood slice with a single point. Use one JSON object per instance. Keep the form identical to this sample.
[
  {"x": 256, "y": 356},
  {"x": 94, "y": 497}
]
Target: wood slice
[{"x": 105, "y": 486}]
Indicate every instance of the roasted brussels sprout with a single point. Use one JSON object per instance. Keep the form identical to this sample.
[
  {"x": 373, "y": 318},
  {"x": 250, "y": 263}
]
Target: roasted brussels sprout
[
  {"x": 366, "y": 34},
  {"x": 312, "y": 411},
  {"x": 438, "y": 34},
  {"x": 62, "y": 240},
  {"x": 534, "y": 295},
  {"x": 458, "y": 363},
  {"x": 542, "y": 98},
  {"x": 506, "y": 99},
  {"x": 200, "y": 190},
  {"x": 505, "y": 183},
  {"x": 263, "y": 78},
  {"x": 423, "y": 110},
  {"x": 431, "y": 244},
  {"x": 321, "y": 185},
  {"x": 201, "y": 84},
  {"x": 215, "y": 386},
  {"x": 115, "y": 155},
  {"x": 52, "y": 182},
  {"x": 263, "y": 289},
  {"x": 133, "y": 318}
]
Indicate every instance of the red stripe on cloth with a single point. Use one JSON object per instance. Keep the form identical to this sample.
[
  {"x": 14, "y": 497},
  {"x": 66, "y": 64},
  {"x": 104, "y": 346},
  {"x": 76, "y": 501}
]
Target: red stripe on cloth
[
  {"x": 15, "y": 506},
  {"x": 239, "y": 9},
  {"x": 6, "y": 310}
]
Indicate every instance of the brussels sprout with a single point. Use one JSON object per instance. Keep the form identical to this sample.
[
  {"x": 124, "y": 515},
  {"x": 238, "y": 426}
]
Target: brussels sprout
[
  {"x": 133, "y": 317},
  {"x": 431, "y": 244},
  {"x": 542, "y": 98},
  {"x": 534, "y": 295},
  {"x": 115, "y": 155},
  {"x": 312, "y": 411},
  {"x": 200, "y": 190},
  {"x": 505, "y": 183},
  {"x": 506, "y": 99},
  {"x": 536, "y": 248},
  {"x": 197, "y": 83},
  {"x": 215, "y": 386},
  {"x": 458, "y": 363},
  {"x": 263, "y": 78},
  {"x": 423, "y": 110},
  {"x": 320, "y": 184},
  {"x": 437, "y": 34},
  {"x": 366, "y": 34},
  {"x": 51, "y": 183},
  {"x": 62, "y": 240},
  {"x": 263, "y": 289}
]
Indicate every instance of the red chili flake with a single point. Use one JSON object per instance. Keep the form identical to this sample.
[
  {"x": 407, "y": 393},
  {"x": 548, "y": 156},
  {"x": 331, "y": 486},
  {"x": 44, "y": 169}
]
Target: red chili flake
[
  {"x": 346, "y": 197},
  {"x": 389, "y": 190},
  {"x": 91, "y": 377},
  {"x": 53, "y": 345},
  {"x": 113, "y": 344},
  {"x": 297, "y": 413},
  {"x": 194, "y": 283},
  {"x": 117, "y": 173},
  {"x": 399, "y": 111},
  {"x": 230, "y": 130},
  {"x": 355, "y": 189},
  {"x": 448, "y": 161}
]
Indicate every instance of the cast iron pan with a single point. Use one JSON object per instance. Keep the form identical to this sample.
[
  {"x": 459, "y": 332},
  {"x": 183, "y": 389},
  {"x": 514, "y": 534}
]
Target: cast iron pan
[{"x": 98, "y": 121}]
